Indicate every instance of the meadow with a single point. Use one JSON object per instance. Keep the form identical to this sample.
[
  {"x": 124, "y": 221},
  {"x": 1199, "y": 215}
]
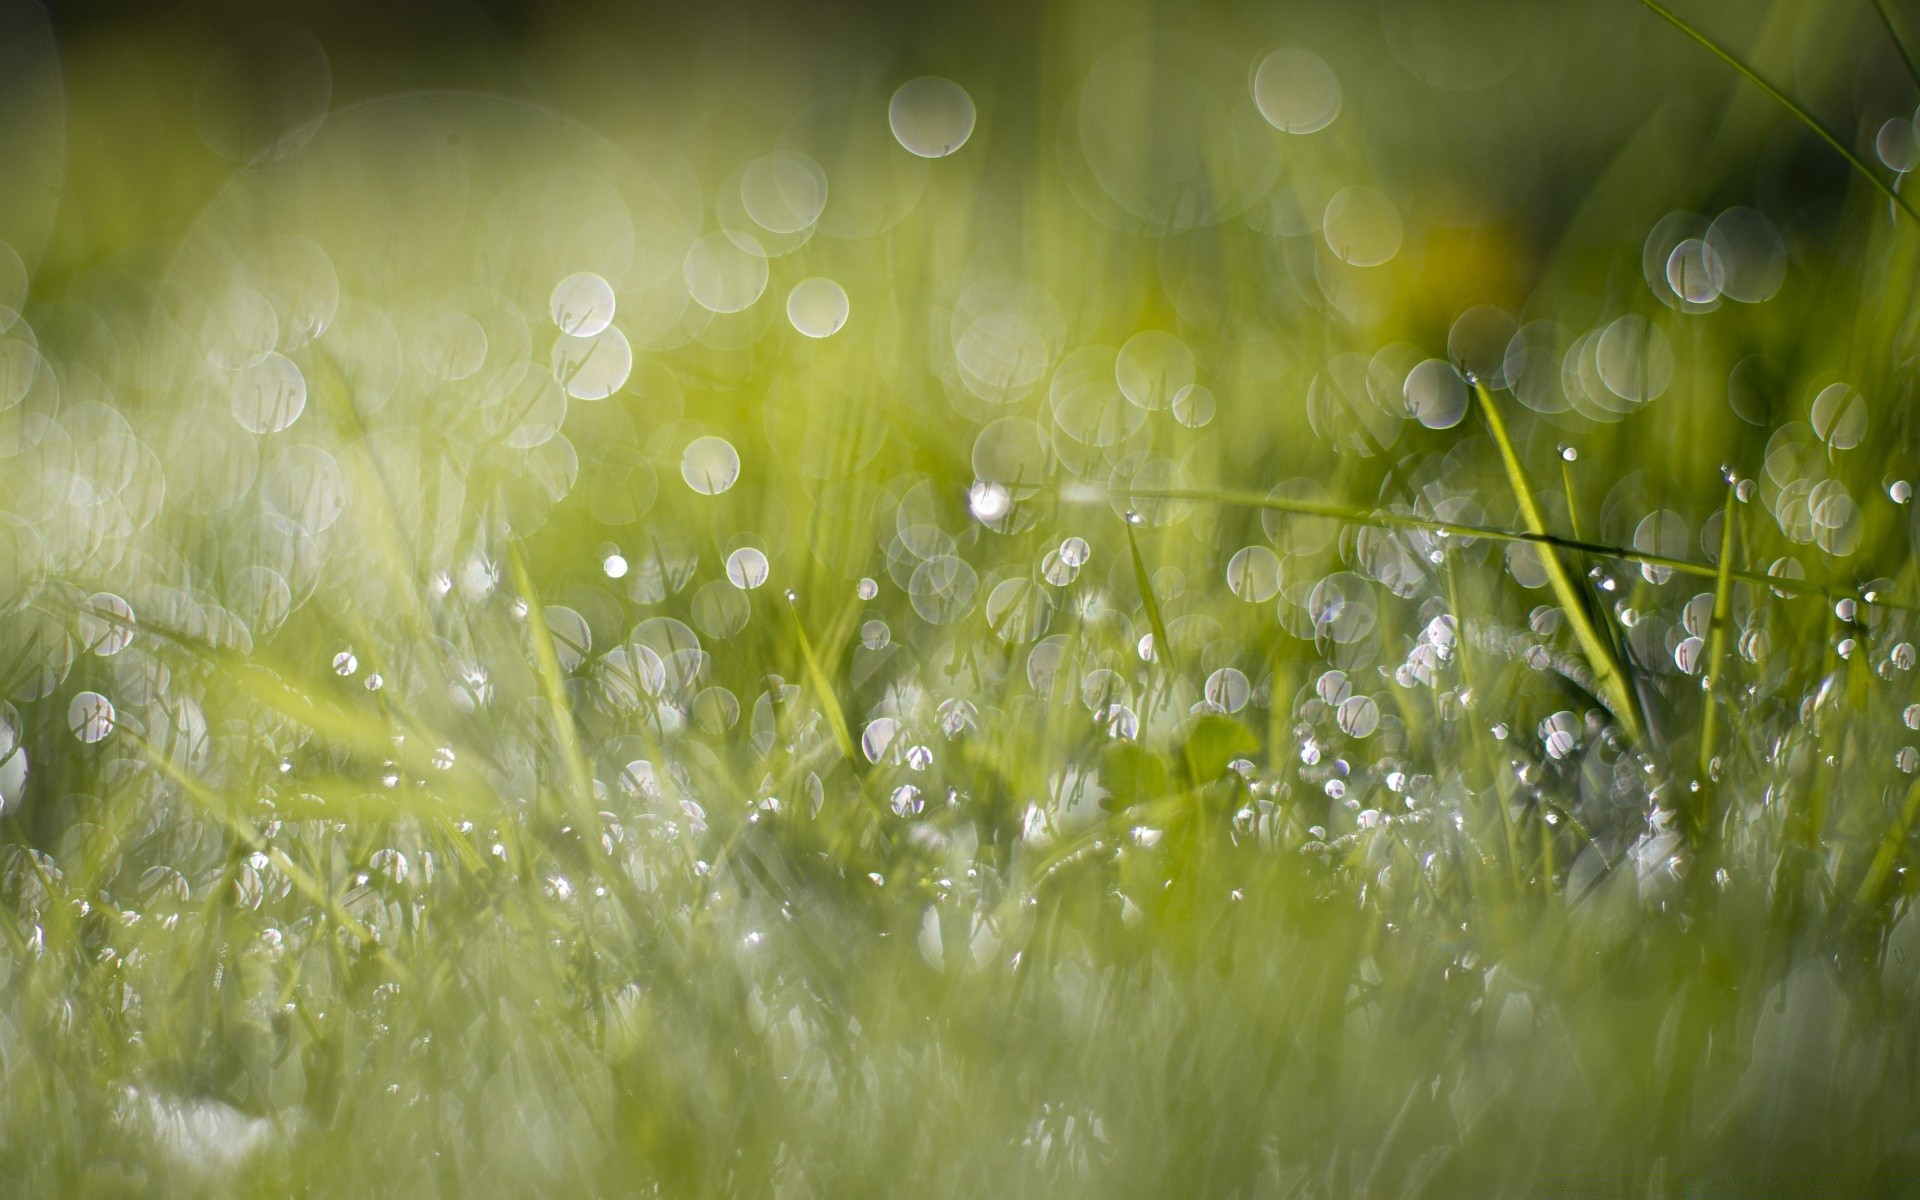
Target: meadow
[{"x": 1075, "y": 599}]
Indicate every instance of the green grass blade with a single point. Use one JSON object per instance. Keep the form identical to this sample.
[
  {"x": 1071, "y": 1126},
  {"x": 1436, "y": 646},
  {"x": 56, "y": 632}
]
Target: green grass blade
[
  {"x": 816, "y": 675},
  {"x": 1393, "y": 520},
  {"x": 1884, "y": 858},
  {"x": 546, "y": 665},
  {"x": 1162, "y": 644},
  {"x": 1899, "y": 43},
  {"x": 1716, "y": 650},
  {"x": 1787, "y": 102},
  {"x": 1609, "y": 678}
]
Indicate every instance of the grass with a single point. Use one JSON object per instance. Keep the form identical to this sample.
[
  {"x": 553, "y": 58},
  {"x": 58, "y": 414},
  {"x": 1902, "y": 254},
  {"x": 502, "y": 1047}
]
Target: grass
[{"x": 979, "y": 774}]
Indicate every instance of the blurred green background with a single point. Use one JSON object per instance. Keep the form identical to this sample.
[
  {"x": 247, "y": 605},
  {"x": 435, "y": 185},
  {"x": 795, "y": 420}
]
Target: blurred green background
[{"x": 1063, "y": 598}]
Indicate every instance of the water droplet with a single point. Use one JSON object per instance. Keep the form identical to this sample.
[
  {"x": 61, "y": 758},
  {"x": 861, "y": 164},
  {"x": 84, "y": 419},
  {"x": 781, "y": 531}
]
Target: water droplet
[
  {"x": 1254, "y": 574},
  {"x": 784, "y": 193},
  {"x": 106, "y": 624},
  {"x": 989, "y": 502},
  {"x": 1120, "y": 721},
  {"x": 1435, "y": 394},
  {"x": 90, "y": 716},
  {"x": 866, "y": 589},
  {"x": 877, "y": 741},
  {"x": 1687, "y": 655},
  {"x": 1296, "y": 91},
  {"x": 906, "y": 801},
  {"x": 269, "y": 395},
  {"x": 1194, "y": 406},
  {"x": 344, "y": 662},
  {"x": 817, "y": 307},
  {"x": 1228, "y": 689},
  {"x": 726, "y": 272},
  {"x": 710, "y": 465},
  {"x": 592, "y": 368},
  {"x": 930, "y": 116},
  {"x": 747, "y": 568},
  {"x": 582, "y": 304},
  {"x": 1896, "y": 145},
  {"x": 1359, "y": 716}
]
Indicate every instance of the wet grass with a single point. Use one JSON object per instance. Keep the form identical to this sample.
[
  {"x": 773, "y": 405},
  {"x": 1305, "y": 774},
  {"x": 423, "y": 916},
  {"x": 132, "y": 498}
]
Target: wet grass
[{"x": 945, "y": 755}]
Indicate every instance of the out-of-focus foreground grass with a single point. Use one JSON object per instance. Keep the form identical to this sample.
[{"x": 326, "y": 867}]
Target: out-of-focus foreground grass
[{"x": 1080, "y": 599}]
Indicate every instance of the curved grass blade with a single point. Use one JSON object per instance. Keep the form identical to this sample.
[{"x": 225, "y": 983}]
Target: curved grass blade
[
  {"x": 1872, "y": 887},
  {"x": 1787, "y": 102},
  {"x": 1394, "y": 520},
  {"x": 1716, "y": 649},
  {"x": 1899, "y": 43},
  {"x": 547, "y": 666},
  {"x": 829, "y": 703},
  {"x": 1162, "y": 644},
  {"x": 306, "y": 884},
  {"x": 1609, "y": 678}
]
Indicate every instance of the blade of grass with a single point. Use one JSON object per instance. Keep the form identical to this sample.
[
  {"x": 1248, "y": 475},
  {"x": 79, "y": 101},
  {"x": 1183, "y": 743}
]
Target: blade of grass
[
  {"x": 1716, "y": 647},
  {"x": 1875, "y": 883},
  {"x": 1616, "y": 636},
  {"x": 1393, "y": 520},
  {"x": 1162, "y": 645},
  {"x": 547, "y": 666},
  {"x": 302, "y": 882},
  {"x": 1787, "y": 102},
  {"x": 829, "y": 703},
  {"x": 1899, "y": 43},
  {"x": 1609, "y": 679}
]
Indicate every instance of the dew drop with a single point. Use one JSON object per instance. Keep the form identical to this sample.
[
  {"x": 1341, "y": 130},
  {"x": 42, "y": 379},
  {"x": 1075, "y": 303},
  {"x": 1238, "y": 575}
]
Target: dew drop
[
  {"x": 710, "y": 465},
  {"x": 582, "y": 304},
  {"x": 90, "y": 716},
  {"x": 817, "y": 307},
  {"x": 931, "y": 117}
]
